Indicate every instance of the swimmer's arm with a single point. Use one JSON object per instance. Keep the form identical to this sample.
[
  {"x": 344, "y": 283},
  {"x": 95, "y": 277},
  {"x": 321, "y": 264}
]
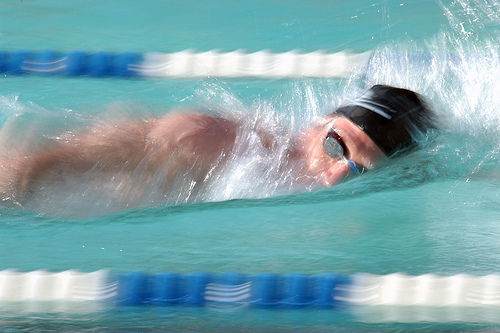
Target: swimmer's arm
[
  {"x": 103, "y": 147},
  {"x": 183, "y": 141}
]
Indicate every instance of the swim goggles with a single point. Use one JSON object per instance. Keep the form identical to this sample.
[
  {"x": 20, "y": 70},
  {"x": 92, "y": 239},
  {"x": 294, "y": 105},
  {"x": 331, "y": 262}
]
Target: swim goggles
[{"x": 335, "y": 147}]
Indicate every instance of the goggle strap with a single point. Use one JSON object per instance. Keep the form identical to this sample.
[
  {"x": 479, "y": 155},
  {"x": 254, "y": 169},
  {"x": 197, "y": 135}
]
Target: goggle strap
[{"x": 352, "y": 166}]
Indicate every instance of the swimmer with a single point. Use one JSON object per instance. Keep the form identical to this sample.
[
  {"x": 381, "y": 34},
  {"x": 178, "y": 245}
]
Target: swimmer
[
  {"x": 138, "y": 157},
  {"x": 382, "y": 123}
]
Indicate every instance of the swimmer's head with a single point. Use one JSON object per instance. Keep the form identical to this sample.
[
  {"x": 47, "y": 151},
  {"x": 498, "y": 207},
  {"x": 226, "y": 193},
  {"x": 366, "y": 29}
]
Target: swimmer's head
[{"x": 395, "y": 119}]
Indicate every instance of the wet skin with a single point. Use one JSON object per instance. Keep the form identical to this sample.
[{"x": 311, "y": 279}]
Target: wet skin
[{"x": 178, "y": 146}]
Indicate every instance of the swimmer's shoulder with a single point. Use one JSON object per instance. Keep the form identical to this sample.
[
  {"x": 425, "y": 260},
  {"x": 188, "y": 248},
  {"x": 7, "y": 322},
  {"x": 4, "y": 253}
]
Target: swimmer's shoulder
[{"x": 177, "y": 125}]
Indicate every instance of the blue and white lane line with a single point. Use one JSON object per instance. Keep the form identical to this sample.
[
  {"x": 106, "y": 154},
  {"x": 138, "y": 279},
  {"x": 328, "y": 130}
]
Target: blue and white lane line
[
  {"x": 375, "y": 298},
  {"x": 184, "y": 64}
]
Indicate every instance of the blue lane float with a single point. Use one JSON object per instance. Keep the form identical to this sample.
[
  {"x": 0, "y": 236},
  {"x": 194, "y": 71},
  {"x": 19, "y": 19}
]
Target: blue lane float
[
  {"x": 74, "y": 63},
  {"x": 260, "y": 290}
]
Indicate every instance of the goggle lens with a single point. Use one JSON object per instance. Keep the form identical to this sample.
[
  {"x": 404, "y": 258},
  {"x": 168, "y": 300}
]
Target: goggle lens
[{"x": 335, "y": 147}]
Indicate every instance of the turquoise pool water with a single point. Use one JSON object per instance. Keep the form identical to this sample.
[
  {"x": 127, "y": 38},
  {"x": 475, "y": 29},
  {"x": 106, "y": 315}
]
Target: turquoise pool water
[{"x": 435, "y": 211}]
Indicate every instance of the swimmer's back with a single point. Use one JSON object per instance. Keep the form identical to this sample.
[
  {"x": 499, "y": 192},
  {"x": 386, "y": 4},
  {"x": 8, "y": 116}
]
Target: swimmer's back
[
  {"x": 186, "y": 145},
  {"x": 195, "y": 140}
]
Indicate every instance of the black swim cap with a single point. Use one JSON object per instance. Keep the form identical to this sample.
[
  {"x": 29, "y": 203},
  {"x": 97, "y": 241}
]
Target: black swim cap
[{"x": 393, "y": 118}]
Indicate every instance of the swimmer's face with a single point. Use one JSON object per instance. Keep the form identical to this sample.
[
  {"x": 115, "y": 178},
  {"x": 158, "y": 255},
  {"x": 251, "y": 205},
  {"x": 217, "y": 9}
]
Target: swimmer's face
[
  {"x": 352, "y": 145},
  {"x": 355, "y": 144}
]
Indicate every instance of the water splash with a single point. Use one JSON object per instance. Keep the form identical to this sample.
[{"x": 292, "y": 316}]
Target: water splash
[{"x": 458, "y": 71}]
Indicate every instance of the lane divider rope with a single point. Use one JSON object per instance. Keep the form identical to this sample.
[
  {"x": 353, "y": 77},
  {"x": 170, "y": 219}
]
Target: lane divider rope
[
  {"x": 380, "y": 298},
  {"x": 183, "y": 64}
]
